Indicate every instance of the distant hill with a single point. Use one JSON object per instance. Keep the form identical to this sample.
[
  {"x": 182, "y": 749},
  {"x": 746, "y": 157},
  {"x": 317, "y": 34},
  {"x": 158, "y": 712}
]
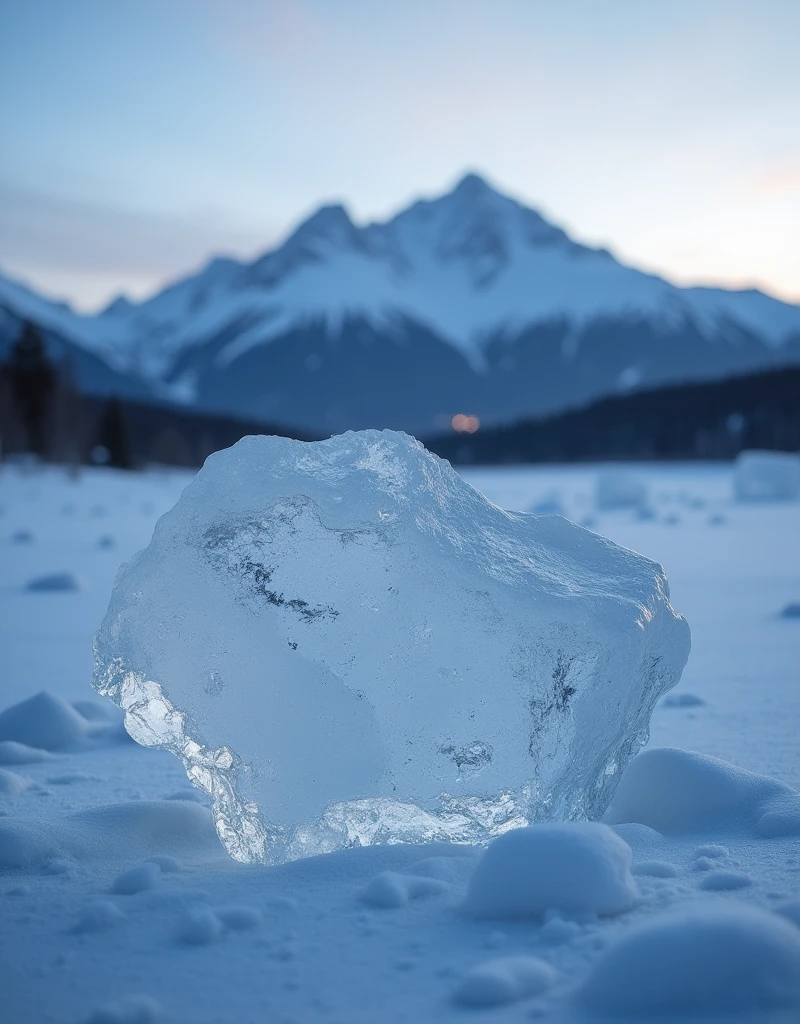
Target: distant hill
[{"x": 467, "y": 303}]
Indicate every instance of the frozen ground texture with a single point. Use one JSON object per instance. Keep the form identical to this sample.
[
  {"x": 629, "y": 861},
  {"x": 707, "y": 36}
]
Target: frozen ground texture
[
  {"x": 347, "y": 644},
  {"x": 383, "y": 933}
]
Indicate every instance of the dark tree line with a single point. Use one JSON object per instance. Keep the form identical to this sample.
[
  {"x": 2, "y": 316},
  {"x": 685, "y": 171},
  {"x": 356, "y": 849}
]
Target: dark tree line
[
  {"x": 707, "y": 420},
  {"x": 43, "y": 415}
]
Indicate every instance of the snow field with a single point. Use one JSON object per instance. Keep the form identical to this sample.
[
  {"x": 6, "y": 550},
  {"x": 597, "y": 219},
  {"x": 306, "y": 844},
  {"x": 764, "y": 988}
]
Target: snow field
[{"x": 304, "y": 942}]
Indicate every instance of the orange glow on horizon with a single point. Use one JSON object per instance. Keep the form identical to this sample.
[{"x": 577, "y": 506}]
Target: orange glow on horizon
[{"x": 465, "y": 424}]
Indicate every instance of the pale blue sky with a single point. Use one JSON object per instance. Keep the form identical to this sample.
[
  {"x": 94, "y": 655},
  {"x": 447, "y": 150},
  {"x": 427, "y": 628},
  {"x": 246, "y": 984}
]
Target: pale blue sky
[{"x": 141, "y": 136}]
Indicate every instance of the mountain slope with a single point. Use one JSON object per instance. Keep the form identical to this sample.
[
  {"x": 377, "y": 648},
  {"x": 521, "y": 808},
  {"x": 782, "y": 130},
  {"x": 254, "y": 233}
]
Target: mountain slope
[{"x": 469, "y": 302}]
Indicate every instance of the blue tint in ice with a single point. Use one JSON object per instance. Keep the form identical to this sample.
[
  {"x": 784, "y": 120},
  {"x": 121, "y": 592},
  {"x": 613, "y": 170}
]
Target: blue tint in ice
[{"x": 347, "y": 644}]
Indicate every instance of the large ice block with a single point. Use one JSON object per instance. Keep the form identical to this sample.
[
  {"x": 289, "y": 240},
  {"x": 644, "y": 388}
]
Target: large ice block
[{"x": 347, "y": 644}]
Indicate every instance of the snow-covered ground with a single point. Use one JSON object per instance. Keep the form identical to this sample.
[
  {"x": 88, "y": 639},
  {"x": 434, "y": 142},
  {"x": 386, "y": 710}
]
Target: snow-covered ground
[{"x": 91, "y": 929}]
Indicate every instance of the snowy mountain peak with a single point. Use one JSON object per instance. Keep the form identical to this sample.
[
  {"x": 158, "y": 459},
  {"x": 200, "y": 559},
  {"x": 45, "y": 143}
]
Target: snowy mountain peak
[{"x": 471, "y": 291}]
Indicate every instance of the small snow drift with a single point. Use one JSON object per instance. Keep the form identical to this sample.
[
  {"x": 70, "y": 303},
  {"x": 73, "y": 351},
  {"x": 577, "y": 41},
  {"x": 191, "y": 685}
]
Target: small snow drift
[
  {"x": 44, "y": 721},
  {"x": 332, "y": 614},
  {"x": 134, "y": 880},
  {"x": 12, "y": 784},
  {"x": 141, "y": 828},
  {"x": 390, "y": 890},
  {"x": 200, "y": 926},
  {"x": 505, "y": 979},
  {"x": 682, "y": 700},
  {"x": 129, "y": 1009},
  {"x": 618, "y": 488},
  {"x": 726, "y": 960},
  {"x": 54, "y": 583},
  {"x": 767, "y": 476},
  {"x": 791, "y": 610},
  {"x": 575, "y": 867},
  {"x": 98, "y": 916},
  {"x": 723, "y": 881},
  {"x": 12, "y": 752},
  {"x": 676, "y": 791}
]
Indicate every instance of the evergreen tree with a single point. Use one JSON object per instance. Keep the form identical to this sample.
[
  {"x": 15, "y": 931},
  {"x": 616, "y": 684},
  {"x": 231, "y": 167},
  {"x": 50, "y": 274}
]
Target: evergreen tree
[
  {"x": 32, "y": 379},
  {"x": 112, "y": 434}
]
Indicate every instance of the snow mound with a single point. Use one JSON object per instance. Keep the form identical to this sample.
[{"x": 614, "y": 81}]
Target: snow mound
[
  {"x": 135, "y": 880},
  {"x": 13, "y": 752},
  {"x": 618, "y": 488},
  {"x": 791, "y": 610},
  {"x": 502, "y": 980},
  {"x": 98, "y": 916},
  {"x": 677, "y": 791},
  {"x": 390, "y": 890},
  {"x": 147, "y": 827},
  {"x": 767, "y": 476},
  {"x": 44, "y": 721},
  {"x": 57, "y": 582},
  {"x": 141, "y": 828},
  {"x": 574, "y": 867},
  {"x": 22, "y": 537},
  {"x": 12, "y": 784},
  {"x": 728, "y": 960},
  {"x": 239, "y": 918},
  {"x": 200, "y": 926},
  {"x": 93, "y": 711},
  {"x": 329, "y": 617},
  {"x": 722, "y": 881}
]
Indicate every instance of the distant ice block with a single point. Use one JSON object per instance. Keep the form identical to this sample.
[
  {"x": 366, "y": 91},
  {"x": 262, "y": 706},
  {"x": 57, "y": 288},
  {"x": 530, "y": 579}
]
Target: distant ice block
[
  {"x": 767, "y": 476},
  {"x": 55, "y": 583},
  {"x": 347, "y": 644},
  {"x": 618, "y": 488}
]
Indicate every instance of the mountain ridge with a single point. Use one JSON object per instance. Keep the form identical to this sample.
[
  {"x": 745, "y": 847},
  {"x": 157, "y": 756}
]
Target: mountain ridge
[{"x": 494, "y": 282}]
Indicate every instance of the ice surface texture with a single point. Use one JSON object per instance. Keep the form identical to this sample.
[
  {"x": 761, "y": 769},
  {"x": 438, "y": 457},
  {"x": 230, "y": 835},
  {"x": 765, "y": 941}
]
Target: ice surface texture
[{"x": 347, "y": 644}]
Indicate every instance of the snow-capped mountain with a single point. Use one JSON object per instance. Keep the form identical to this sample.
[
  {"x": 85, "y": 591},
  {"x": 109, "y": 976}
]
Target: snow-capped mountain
[{"x": 466, "y": 303}]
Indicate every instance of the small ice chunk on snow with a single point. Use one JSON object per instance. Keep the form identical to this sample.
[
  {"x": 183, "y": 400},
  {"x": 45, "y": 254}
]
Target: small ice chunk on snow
[
  {"x": 767, "y": 476},
  {"x": 331, "y": 616},
  {"x": 503, "y": 980},
  {"x": 682, "y": 700},
  {"x": 733, "y": 961},
  {"x": 575, "y": 867},
  {"x": 619, "y": 488}
]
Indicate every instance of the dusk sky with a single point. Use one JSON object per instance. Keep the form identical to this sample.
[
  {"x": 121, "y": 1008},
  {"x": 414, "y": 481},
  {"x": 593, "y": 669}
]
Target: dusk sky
[{"x": 141, "y": 137}]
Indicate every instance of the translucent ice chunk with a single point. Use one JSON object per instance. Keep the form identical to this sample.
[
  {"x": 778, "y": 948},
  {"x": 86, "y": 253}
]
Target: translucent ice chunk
[
  {"x": 767, "y": 476},
  {"x": 347, "y": 644}
]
